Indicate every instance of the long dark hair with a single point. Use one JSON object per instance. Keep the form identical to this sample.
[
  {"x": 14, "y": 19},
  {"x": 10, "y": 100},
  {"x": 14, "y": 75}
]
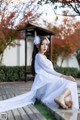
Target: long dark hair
[{"x": 35, "y": 51}]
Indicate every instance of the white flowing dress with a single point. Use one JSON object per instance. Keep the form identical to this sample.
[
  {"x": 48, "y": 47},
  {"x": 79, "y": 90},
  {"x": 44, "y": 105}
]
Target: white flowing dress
[{"x": 47, "y": 86}]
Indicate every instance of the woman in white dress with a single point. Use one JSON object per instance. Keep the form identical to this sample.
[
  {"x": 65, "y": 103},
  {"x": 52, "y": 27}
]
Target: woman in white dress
[
  {"x": 53, "y": 87},
  {"x": 49, "y": 86}
]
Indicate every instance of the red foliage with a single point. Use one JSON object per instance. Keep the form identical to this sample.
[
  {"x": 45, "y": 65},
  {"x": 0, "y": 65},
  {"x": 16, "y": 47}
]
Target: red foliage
[
  {"x": 67, "y": 40},
  {"x": 18, "y": 44},
  {"x": 7, "y": 32}
]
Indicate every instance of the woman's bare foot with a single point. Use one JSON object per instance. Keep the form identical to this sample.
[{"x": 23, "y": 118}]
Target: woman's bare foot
[
  {"x": 60, "y": 101},
  {"x": 68, "y": 101}
]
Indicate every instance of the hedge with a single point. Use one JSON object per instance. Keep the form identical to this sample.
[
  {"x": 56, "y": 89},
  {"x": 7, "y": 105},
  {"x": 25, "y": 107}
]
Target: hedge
[
  {"x": 14, "y": 73},
  {"x": 68, "y": 71},
  {"x": 17, "y": 73}
]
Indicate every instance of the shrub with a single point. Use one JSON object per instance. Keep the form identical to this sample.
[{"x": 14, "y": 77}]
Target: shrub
[
  {"x": 17, "y": 73},
  {"x": 68, "y": 71}
]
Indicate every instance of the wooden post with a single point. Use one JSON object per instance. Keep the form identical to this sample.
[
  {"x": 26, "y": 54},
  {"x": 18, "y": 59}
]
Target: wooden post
[
  {"x": 51, "y": 48},
  {"x": 25, "y": 56}
]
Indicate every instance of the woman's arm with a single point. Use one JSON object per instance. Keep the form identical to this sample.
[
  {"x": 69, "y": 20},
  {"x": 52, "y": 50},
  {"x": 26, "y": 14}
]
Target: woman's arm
[
  {"x": 68, "y": 77},
  {"x": 43, "y": 63}
]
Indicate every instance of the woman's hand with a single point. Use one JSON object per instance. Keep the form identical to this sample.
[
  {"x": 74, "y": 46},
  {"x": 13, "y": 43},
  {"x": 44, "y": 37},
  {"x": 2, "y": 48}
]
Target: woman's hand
[
  {"x": 71, "y": 78},
  {"x": 68, "y": 78}
]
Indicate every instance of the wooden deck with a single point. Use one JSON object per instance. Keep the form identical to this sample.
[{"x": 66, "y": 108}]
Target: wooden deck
[{"x": 8, "y": 90}]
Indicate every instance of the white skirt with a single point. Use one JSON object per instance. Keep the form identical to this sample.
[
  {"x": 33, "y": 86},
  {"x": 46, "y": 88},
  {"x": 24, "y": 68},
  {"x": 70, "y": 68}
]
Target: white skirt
[
  {"x": 45, "y": 88},
  {"x": 55, "y": 88}
]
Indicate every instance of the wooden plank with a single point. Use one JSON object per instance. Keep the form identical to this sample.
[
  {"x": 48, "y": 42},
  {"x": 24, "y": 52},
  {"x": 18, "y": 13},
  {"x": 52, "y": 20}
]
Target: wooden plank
[
  {"x": 10, "y": 115},
  {"x": 37, "y": 113},
  {"x": 16, "y": 114},
  {"x": 2, "y": 91},
  {"x": 15, "y": 92},
  {"x": 1, "y": 94},
  {"x": 5, "y": 95},
  {"x": 0, "y": 97},
  {"x": 30, "y": 113},
  {"x": 23, "y": 114}
]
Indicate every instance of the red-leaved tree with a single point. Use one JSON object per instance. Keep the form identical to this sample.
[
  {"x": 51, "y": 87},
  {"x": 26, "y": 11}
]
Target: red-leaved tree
[
  {"x": 8, "y": 30},
  {"x": 67, "y": 40}
]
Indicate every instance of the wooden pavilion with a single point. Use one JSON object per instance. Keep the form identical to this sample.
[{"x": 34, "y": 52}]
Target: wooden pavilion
[{"x": 31, "y": 30}]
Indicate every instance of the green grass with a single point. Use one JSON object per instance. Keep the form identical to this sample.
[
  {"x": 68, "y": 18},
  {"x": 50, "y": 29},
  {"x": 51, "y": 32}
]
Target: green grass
[{"x": 43, "y": 110}]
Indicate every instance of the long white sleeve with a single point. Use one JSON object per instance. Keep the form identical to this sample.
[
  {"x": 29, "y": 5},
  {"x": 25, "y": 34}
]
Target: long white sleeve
[{"x": 43, "y": 64}]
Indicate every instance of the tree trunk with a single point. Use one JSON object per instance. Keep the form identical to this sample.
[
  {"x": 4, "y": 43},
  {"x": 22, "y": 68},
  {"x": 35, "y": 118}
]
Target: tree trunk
[
  {"x": 62, "y": 61},
  {"x": 1, "y": 58}
]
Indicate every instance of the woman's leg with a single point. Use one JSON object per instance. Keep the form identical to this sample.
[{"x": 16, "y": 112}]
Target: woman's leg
[
  {"x": 68, "y": 101},
  {"x": 61, "y": 99}
]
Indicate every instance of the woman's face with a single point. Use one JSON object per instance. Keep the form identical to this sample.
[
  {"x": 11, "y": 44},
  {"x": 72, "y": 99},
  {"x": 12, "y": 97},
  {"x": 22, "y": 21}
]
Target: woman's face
[{"x": 44, "y": 46}]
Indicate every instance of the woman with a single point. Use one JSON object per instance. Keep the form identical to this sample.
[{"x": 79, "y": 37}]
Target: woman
[
  {"x": 49, "y": 86},
  {"x": 59, "y": 90}
]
